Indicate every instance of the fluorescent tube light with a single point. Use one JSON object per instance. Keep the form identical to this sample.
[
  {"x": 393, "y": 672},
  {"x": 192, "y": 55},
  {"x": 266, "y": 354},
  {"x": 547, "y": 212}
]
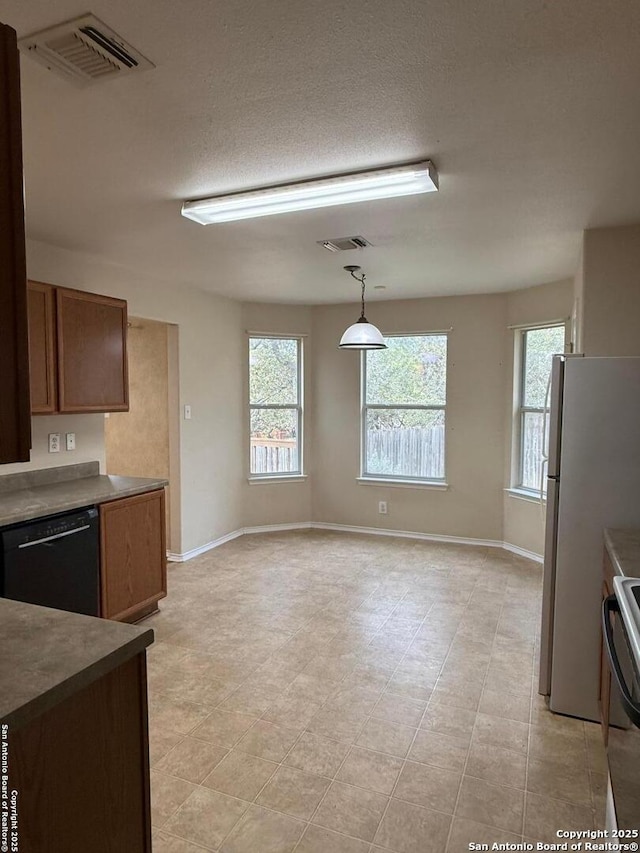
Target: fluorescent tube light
[{"x": 344, "y": 189}]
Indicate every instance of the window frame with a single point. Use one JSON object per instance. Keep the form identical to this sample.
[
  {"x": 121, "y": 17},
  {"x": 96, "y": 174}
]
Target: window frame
[
  {"x": 365, "y": 476},
  {"x": 520, "y": 410},
  {"x": 299, "y": 407}
]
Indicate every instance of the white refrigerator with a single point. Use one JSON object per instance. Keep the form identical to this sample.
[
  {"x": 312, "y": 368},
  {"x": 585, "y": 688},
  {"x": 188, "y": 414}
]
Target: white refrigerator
[{"x": 593, "y": 482}]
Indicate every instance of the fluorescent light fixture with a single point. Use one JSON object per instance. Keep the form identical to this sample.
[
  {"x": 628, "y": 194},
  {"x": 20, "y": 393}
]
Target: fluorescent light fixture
[{"x": 326, "y": 192}]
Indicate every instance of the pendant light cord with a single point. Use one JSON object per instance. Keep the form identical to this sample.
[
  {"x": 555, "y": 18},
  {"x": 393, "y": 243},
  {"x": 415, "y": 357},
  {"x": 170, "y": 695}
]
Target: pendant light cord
[{"x": 361, "y": 280}]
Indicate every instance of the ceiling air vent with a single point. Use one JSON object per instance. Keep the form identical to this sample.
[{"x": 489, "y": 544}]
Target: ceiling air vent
[
  {"x": 343, "y": 244},
  {"x": 84, "y": 50}
]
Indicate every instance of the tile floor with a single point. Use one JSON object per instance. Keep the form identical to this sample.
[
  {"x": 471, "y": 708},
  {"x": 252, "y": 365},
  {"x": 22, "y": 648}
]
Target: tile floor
[{"x": 331, "y": 693}]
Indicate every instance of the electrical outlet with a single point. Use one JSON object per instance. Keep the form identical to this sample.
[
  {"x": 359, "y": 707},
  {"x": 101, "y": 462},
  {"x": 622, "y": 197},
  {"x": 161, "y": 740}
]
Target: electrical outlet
[
  {"x": 71, "y": 441},
  {"x": 187, "y": 413},
  {"x": 382, "y": 507},
  {"x": 54, "y": 442}
]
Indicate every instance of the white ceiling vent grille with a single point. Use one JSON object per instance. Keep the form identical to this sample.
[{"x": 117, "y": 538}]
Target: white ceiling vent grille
[
  {"x": 343, "y": 244},
  {"x": 84, "y": 50}
]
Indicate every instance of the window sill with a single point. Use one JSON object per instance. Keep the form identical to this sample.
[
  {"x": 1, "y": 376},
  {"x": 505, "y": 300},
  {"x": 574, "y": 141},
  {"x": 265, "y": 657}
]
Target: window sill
[
  {"x": 277, "y": 478},
  {"x": 403, "y": 484},
  {"x": 525, "y": 495}
]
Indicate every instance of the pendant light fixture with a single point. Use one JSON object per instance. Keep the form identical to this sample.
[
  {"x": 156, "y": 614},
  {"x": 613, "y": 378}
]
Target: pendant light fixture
[{"x": 362, "y": 335}]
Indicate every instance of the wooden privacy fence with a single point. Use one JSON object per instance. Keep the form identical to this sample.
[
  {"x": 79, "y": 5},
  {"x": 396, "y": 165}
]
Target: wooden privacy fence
[
  {"x": 409, "y": 452},
  {"x": 532, "y": 451},
  {"x": 412, "y": 452},
  {"x": 273, "y": 455}
]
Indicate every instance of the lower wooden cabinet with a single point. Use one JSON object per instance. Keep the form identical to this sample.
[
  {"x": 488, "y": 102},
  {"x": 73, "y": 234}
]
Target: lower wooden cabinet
[
  {"x": 133, "y": 557},
  {"x": 82, "y": 769}
]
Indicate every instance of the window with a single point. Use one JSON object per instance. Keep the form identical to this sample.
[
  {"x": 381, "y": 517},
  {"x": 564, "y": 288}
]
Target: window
[
  {"x": 403, "y": 408},
  {"x": 275, "y": 406},
  {"x": 537, "y": 348}
]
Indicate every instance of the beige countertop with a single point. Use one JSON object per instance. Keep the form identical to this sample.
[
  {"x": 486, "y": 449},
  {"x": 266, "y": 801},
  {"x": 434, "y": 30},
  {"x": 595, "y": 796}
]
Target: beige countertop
[
  {"x": 51, "y": 491},
  {"x": 48, "y": 655},
  {"x": 623, "y": 546}
]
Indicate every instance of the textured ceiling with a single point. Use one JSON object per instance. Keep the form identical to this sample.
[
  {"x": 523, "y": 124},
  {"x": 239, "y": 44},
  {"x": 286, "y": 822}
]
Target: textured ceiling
[{"x": 529, "y": 109}]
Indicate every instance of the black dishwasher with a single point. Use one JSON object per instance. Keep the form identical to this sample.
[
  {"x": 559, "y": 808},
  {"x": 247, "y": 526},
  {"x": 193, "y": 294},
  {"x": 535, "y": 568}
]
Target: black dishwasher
[{"x": 53, "y": 561}]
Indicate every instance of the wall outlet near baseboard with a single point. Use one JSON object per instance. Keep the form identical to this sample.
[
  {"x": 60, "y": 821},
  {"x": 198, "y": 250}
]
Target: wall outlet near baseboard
[
  {"x": 382, "y": 507},
  {"x": 54, "y": 442}
]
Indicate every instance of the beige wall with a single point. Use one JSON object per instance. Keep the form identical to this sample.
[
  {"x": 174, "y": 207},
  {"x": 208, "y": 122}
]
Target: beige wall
[
  {"x": 278, "y": 503},
  {"x": 611, "y": 291},
  {"x": 472, "y": 505},
  {"x": 524, "y": 518},
  {"x": 89, "y": 432},
  {"x": 210, "y": 358},
  {"x": 215, "y": 495}
]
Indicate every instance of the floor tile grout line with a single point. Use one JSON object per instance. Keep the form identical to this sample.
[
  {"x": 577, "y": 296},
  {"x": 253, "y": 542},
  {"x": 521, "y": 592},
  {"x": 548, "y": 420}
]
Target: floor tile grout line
[
  {"x": 455, "y": 806},
  {"x": 385, "y": 689},
  {"x": 181, "y": 838},
  {"x": 360, "y": 730},
  {"x": 404, "y": 760},
  {"x": 502, "y": 608},
  {"x": 526, "y": 769},
  {"x": 254, "y": 803},
  {"x": 368, "y": 717},
  {"x": 347, "y": 675},
  {"x": 273, "y": 773}
]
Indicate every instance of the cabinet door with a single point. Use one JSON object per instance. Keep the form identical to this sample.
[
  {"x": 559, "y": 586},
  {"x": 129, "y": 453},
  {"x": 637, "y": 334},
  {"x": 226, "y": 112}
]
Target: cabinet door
[
  {"x": 42, "y": 349},
  {"x": 92, "y": 352},
  {"x": 133, "y": 559},
  {"x": 15, "y": 410},
  {"x": 82, "y": 769}
]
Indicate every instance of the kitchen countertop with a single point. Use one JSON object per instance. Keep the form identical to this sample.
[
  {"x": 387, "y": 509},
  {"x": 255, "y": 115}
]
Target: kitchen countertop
[
  {"x": 48, "y": 655},
  {"x": 623, "y": 546},
  {"x": 51, "y": 491}
]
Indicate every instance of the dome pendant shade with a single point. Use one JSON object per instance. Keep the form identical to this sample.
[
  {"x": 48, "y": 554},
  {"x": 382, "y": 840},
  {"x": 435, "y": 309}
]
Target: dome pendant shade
[{"x": 362, "y": 335}]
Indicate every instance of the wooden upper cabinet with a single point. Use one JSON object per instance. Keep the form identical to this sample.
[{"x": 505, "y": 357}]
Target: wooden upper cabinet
[
  {"x": 77, "y": 351},
  {"x": 15, "y": 417},
  {"x": 92, "y": 352},
  {"x": 42, "y": 348}
]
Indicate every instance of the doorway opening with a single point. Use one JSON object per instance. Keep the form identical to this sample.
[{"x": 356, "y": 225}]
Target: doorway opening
[{"x": 144, "y": 442}]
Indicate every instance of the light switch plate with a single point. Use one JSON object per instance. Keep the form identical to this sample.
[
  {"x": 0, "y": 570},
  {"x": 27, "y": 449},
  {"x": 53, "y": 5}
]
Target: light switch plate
[
  {"x": 187, "y": 413},
  {"x": 71, "y": 441},
  {"x": 54, "y": 442}
]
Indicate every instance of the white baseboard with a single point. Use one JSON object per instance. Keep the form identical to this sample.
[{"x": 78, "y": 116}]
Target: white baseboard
[
  {"x": 215, "y": 543},
  {"x": 522, "y": 552},
  {"x": 195, "y": 552},
  {"x": 406, "y": 534},
  {"x": 345, "y": 528},
  {"x": 274, "y": 528}
]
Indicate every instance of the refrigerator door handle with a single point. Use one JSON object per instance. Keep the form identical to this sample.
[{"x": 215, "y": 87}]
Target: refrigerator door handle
[{"x": 610, "y": 605}]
